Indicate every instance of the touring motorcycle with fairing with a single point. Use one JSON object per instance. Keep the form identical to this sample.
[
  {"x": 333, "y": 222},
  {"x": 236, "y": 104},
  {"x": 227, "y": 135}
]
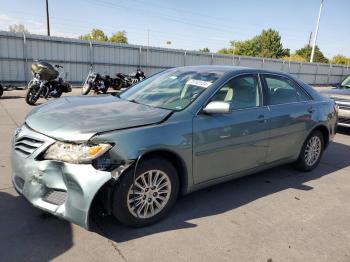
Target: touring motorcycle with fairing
[{"x": 47, "y": 82}]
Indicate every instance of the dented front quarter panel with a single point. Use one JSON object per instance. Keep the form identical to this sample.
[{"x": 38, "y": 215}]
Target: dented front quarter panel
[{"x": 173, "y": 136}]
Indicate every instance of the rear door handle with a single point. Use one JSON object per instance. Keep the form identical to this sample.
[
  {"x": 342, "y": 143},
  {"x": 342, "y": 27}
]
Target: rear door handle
[{"x": 262, "y": 119}]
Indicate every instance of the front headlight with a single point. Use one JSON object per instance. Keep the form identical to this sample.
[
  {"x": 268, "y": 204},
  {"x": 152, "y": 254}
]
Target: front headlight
[{"x": 75, "y": 153}]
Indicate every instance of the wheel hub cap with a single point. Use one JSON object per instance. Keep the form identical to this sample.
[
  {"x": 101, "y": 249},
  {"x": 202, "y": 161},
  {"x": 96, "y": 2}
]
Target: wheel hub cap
[
  {"x": 150, "y": 194},
  {"x": 313, "y": 150}
]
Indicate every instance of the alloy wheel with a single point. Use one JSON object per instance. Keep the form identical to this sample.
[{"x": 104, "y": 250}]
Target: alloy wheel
[
  {"x": 149, "y": 194},
  {"x": 313, "y": 150}
]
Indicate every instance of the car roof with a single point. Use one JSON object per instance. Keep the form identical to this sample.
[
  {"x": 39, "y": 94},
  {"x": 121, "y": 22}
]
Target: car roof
[{"x": 232, "y": 69}]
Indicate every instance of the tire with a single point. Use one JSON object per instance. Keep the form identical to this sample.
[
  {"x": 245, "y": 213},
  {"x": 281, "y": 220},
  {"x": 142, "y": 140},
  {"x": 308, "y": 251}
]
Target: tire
[
  {"x": 59, "y": 93},
  {"x": 118, "y": 84},
  {"x": 1, "y": 90},
  {"x": 31, "y": 94},
  {"x": 86, "y": 87},
  {"x": 314, "y": 140},
  {"x": 123, "y": 191}
]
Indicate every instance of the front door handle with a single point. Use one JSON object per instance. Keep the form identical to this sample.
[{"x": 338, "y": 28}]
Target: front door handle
[{"x": 311, "y": 110}]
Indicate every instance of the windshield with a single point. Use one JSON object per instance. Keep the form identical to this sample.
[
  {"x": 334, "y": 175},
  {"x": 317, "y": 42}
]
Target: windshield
[
  {"x": 346, "y": 82},
  {"x": 173, "y": 89}
]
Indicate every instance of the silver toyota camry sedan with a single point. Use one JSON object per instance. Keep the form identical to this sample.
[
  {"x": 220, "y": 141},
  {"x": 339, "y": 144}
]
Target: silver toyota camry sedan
[{"x": 178, "y": 131}]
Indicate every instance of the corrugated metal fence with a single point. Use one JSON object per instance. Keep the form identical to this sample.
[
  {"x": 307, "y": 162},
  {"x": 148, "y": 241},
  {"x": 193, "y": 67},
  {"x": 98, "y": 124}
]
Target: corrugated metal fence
[{"x": 18, "y": 51}]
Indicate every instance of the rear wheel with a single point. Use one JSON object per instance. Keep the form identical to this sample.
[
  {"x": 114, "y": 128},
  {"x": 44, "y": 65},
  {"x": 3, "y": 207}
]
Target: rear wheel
[
  {"x": 32, "y": 94},
  {"x": 311, "y": 152},
  {"x": 150, "y": 197}
]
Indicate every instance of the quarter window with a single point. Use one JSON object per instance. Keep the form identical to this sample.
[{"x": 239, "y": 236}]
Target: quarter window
[
  {"x": 282, "y": 90},
  {"x": 241, "y": 92}
]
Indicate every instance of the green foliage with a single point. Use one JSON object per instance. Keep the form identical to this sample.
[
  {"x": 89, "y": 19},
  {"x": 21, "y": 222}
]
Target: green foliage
[
  {"x": 226, "y": 51},
  {"x": 340, "y": 60},
  {"x": 18, "y": 29},
  {"x": 305, "y": 52},
  {"x": 268, "y": 44},
  {"x": 205, "y": 49},
  {"x": 119, "y": 37},
  {"x": 294, "y": 58},
  {"x": 95, "y": 35}
]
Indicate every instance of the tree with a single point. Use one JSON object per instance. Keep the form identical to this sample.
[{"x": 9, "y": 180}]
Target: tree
[
  {"x": 205, "y": 50},
  {"x": 340, "y": 60},
  {"x": 294, "y": 58},
  {"x": 95, "y": 35},
  {"x": 18, "y": 28},
  {"x": 226, "y": 51},
  {"x": 306, "y": 53},
  {"x": 267, "y": 44},
  {"x": 119, "y": 37}
]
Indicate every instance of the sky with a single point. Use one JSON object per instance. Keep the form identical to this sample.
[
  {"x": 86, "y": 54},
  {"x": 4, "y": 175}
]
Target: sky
[{"x": 189, "y": 24}]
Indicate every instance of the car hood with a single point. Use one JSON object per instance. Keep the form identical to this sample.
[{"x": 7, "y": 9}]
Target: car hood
[
  {"x": 337, "y": 94},
  {"x": 79, "y": 118}
]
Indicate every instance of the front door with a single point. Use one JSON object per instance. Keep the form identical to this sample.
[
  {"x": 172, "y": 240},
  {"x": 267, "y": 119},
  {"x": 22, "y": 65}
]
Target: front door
[{"x": 224, "y": 144}]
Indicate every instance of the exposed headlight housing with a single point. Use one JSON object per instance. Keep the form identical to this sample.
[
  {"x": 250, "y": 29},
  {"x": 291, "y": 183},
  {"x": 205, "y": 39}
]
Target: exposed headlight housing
[{"x": 75, "y": 153}]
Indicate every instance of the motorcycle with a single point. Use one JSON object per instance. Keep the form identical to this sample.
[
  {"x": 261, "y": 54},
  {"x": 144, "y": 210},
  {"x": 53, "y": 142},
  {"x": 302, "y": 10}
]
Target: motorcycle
[
  {"x": 97, "y": 82},
  {"x": 100, "y": 84},
  {"x": 47, "y": 82},
  {"x": 131, "y": 79}
]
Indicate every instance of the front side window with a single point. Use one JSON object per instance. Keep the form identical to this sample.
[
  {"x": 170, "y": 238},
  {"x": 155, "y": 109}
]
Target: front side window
[
  {"x": 241, "y": 92},
  {"x": 281, "y": 90},
  {"x": 172, "y": 89}
]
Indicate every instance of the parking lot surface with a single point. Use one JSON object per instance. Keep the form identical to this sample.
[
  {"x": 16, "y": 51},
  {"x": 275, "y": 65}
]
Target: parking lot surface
[{"x": 275, "y": 215}]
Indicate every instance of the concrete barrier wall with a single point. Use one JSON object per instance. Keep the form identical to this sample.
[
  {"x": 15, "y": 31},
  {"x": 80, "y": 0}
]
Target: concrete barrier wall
[{"x": 18, "y": 51}]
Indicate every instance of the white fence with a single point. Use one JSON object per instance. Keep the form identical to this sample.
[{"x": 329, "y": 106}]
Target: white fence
[{"x": 18, "y": 51}]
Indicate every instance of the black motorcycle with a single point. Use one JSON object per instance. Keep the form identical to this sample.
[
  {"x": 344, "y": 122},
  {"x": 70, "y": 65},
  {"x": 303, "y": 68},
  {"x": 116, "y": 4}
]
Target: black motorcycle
[
  {"x": 100, "y": 84},
  {"x": 96, "y": 82},
  {"x": 126, "y": 81},
  {"x": 46, "y": 82}
]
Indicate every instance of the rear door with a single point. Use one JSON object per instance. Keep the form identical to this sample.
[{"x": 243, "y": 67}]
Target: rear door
[{"x": 290, "y": 115}]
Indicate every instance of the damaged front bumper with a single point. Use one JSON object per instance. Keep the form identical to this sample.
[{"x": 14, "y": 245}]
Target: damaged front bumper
[{"x": 63, "y": 189}]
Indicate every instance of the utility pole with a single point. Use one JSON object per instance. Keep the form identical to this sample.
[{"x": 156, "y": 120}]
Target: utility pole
[
  {"x": 316, "y": 32},
  {"x": 310, "y": 37},
  {"x": 47, "y": 18},
  {"x": 147, "y": 47}
]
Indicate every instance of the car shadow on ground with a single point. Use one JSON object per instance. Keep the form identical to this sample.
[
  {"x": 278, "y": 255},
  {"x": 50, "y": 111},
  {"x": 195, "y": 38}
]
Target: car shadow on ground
[
  {"x": 28, "y": 234},
  {"x": 228, "y": 196}
]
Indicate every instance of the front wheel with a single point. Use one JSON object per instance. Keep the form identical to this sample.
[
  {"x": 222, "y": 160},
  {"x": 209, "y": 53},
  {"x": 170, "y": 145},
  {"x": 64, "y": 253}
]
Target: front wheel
[
  {"x": 150, "y": 197},
  {"x": 311, "y": 152},
  {"x": 86, "y": 87},
  {"x": 32, "y": 94}
]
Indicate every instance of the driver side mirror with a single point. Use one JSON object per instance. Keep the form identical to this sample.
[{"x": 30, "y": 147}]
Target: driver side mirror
[{"x": 217, "y": 107}]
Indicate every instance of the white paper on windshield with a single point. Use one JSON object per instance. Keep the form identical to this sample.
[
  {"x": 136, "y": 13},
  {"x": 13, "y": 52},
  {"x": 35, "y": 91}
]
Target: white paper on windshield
[{"x": 200, "y": 83}]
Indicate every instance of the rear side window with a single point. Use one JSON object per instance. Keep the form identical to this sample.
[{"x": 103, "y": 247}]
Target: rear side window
[{"x": 282, "y": 90}]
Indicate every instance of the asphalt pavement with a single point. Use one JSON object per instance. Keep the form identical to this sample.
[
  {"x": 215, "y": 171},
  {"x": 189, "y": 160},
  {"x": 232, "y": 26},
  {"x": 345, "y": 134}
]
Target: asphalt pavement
[{"x": 275, "y": 215}]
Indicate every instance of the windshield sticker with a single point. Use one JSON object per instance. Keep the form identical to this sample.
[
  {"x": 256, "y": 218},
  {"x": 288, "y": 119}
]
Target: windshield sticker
[{"x": 200, "y": 83}]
